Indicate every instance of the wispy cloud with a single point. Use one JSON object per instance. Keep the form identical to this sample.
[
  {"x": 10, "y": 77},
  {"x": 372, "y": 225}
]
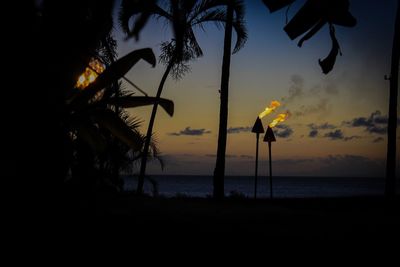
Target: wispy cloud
[
  {"x": 313, "y": 133},
  {"x": 236, "y": 130},
  {"x": 295, "y": 90},
  {"x": 335, "y": 135},
  {"x": 324, "y": 126},
  {"x": 320, "y": 107},
  {"x": 315, "y": 128},
  {"x": 320, "y": 95},
  {"x": 283, "y": 131},
  {"x": 191, "y": 132},
  {"x": 338, "y": 135},
  {"x": 376, "y": 123}
]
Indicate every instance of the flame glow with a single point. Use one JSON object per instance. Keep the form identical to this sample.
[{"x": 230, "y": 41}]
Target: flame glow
[
  {"x": 280, "y": 118},
  {"x": 274, "y": 104},
  {"x": 90, "y": 75}
]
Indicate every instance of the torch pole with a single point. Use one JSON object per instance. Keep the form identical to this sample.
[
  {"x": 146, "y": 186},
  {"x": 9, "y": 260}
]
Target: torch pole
[
  {"x": 270, "y": 169},
  {"x": 256, "y": 174}
]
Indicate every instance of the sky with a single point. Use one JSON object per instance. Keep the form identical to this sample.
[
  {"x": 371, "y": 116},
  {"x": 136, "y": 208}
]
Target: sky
[{"x": 337, "y": 123}]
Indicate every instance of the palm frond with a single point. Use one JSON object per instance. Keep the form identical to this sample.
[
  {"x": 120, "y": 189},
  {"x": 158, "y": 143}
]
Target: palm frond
[
  {"x": 138, "y": 101},
  {"x": 219, "y": 17},
  {"x": 112, "y": 74},
  {"x": 181, "y": 66},
  {"x": 140, "y": 11},
  {"x": 241, "y": 34}
]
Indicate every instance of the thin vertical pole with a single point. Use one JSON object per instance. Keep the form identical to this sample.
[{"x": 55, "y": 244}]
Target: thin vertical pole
[
  {"x": 256, "y": 174},
  {"x": 270, "y": 169}
]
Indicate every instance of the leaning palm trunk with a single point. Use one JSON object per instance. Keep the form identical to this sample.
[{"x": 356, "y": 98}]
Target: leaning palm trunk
[
  {"x": 390, "y": 186},
  {"x": 219, "y": 172},
  {"x": 146, "y": 147}
]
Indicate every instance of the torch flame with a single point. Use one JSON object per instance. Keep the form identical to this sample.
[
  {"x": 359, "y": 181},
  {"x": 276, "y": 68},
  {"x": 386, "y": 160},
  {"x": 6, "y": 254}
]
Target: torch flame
[
  {"x": 90, "y": 74},
  {"x": 274, "y": 104},
  {"x": 280, "y": 118}
]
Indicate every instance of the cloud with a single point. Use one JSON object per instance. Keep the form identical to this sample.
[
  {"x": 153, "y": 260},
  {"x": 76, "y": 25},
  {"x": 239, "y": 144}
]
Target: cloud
[
  {"x": 236, "y": 130},
  {"x": 313, "y": 133},
  {"x": 324, "y": 126},
  {"x": 283, "y": 131},
  {"x": 348, "y": 138},
  {"x": 316, "y": 127},
  {"x": 377, "y": 140},
  {"x": 319, "y": 93},
  {"x": 295, "y": 90},
  {"x": 320, "y": 107},
  {"x": 191, "y": 132},
  {"x": 338, "y": 135},
  {"x": 376, "y": 123}
]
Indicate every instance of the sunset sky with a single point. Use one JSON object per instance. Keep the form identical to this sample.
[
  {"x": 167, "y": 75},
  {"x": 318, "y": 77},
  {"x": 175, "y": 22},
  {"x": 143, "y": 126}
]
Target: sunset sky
[{"x": 337, "y": 123}]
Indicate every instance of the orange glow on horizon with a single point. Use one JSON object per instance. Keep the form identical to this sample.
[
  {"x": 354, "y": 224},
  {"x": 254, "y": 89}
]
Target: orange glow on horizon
[{"x": 274, "y": 104}]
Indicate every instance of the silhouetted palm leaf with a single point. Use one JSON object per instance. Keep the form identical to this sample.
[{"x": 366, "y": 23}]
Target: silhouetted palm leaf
[
  {"x": 311, "y": 17},
  {"x": 110, "y": 75},
  {"x": 274, "y": 5},
  {"x": 140, "y": 11},
  {"x": 137, "y": 101}
]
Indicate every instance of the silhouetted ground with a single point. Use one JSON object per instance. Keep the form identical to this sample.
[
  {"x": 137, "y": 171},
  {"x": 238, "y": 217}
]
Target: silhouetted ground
[
  {"x": 358, "y": 219},
  {"x": 366, "y": 224}
]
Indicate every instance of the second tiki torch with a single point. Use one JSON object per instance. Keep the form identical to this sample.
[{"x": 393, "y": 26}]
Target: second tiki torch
[{"x": 269, "y": 138}]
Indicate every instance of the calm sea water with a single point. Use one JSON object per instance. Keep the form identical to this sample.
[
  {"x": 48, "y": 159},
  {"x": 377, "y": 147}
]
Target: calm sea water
[{"x": 283, "y": 187}]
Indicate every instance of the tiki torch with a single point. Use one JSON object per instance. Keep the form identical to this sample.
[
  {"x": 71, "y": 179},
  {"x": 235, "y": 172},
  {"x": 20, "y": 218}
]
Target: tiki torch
[
  {"x": 269, "y": 138},
  {"x": 257, "y": 129}
]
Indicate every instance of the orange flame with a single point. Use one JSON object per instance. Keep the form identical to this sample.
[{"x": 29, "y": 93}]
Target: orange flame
[
  {"x": 280, "y": 118},
  {"x": 274, "y": 104},
  {"x": 90, "y": 75}
]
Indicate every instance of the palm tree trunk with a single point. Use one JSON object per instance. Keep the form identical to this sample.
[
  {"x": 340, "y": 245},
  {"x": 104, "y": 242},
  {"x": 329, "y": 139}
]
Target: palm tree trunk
[
  {"x": 219, "y": 171},
  {"x": 150, "y": 127},
  {"x": 390, "y": 186},
  {"x": 115, "y": 160}
]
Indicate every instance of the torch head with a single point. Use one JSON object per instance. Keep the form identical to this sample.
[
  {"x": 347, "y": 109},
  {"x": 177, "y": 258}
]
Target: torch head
[
  {"x": 258, "y": 127},
  {"x": 269, "y": 135}
]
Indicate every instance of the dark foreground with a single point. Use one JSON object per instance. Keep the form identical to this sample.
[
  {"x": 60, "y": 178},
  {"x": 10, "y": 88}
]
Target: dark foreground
[
  {"x": 367, "y": 224},
  {"x": 355, "y": 219}
]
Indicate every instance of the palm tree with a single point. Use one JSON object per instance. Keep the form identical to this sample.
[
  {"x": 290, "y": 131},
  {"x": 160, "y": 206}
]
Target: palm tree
[
  {"x": 184, "y": 16},
  {"x": 64, "y": 37},
  {"x": 390, "y": 186},
  {"x": 234, "y": 16}
]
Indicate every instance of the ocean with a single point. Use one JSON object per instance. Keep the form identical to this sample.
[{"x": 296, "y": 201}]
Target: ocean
[{"x": 282, "y": 187}]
